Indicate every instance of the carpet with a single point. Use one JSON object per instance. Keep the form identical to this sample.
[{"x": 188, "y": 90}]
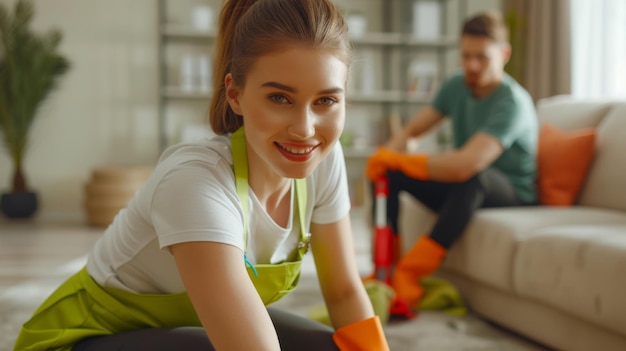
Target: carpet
[
  {"x": 432, "y": 331},
  {"x": 18, "y": 302}
]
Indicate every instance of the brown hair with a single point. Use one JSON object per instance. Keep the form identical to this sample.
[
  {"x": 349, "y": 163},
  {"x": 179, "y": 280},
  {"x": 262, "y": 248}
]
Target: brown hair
[
  {"x": 489, "y": 24},
  {"x": 251, "y": 28}
]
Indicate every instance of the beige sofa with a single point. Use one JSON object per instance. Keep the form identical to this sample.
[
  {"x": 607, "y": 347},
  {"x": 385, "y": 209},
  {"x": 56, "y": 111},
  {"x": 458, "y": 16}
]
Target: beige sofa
[{"x": 554, "y": 274}]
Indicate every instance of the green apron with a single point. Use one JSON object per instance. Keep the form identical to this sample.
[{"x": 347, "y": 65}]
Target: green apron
[{"x": 81, "y": 308}]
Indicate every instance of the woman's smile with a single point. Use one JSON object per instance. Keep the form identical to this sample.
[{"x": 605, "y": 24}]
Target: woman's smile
[
  {"x": 296, "y": 152},
  {"x": 293, "y": 105}
]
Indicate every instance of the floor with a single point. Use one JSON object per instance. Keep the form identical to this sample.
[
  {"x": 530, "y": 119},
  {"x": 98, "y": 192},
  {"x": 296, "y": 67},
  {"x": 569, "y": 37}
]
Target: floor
[{"x": 35, "y": 256}]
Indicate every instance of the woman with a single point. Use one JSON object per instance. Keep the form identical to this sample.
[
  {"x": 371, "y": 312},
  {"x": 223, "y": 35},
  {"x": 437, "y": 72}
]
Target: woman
[{"x": 204, "y": 245}]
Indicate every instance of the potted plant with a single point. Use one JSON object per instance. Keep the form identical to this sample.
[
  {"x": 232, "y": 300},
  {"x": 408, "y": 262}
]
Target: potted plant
[{"x": 30, "y": 67}]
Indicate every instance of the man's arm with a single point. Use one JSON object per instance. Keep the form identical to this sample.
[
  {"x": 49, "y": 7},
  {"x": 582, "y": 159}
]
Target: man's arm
[
  {"x": 427, "y": 118},
  {"x": 500, "y": 129},
  {"x": 477, "y": 153}
]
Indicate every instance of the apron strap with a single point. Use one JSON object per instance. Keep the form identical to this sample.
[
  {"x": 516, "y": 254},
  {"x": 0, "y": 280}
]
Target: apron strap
[{"x": 240, "y": 163}]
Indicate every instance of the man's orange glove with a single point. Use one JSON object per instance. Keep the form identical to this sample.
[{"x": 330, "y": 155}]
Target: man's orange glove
[
  {"x": 384, "y": 159},
  {"x": 361, "y": 336},
  {"x": 379, "y": 163}
]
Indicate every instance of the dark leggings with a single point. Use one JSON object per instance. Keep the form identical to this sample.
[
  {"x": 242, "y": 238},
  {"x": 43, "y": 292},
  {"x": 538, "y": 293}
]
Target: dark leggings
[
  {"x": 294, "y": 333},
  {"x": 455, "y": 203}
]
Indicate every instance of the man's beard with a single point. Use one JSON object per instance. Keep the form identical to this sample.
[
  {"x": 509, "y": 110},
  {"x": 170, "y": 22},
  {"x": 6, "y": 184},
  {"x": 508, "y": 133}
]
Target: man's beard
[{"x": 472, "y": 84}]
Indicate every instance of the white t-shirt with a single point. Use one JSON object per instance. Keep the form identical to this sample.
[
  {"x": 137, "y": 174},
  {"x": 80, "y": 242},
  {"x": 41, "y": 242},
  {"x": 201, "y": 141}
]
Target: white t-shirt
[{"x": 191, "y": 196}]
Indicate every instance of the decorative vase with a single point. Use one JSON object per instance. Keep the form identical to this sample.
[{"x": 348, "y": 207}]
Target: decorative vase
[{"x": 19, "y": 205}]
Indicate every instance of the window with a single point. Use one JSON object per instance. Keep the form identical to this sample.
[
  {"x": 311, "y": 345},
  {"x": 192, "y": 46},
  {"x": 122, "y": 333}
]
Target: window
[{"x": 598, "y": 48}]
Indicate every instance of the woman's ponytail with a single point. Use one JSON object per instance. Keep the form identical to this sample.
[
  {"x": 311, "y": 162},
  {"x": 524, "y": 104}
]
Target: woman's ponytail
[{"x": 221, "y": 116}]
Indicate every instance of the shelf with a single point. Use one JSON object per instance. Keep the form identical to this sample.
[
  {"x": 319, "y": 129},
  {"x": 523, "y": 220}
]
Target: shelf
[
  {"x": 377, "y": 38},
  {"x": 376, "y": 96},
  {"x": 349, "y": 152},
  {"x": 418, "y": 99},
  {"x": 185, "y": 32},
  {"x": 419, "y": 43},
  {"x": 371, "y": 38},
  {"x": 400, "y": 39},
  {"x": 178, "y": 93},
  {"x": 396, "y": 96}
]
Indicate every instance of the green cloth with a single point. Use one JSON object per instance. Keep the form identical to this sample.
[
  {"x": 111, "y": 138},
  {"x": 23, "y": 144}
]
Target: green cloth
[
  {"x": 439, "y": 295},
  {"x": 380, "y": 295},
  {"x": 508, "y": 114}
]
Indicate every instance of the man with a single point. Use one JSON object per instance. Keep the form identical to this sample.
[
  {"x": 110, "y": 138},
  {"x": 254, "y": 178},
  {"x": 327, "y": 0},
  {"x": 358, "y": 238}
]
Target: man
[{"x": 493, "y": 164}]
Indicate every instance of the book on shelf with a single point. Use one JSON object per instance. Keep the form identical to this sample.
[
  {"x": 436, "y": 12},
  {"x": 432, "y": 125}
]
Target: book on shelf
[
  {"x": 422, "y": 78},
  {"x": 427, "y": 20}
]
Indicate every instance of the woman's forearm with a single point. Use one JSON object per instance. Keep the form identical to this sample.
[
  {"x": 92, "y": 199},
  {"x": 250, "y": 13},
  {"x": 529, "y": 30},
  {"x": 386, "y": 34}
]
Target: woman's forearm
[{"x": 352, "y": 307}]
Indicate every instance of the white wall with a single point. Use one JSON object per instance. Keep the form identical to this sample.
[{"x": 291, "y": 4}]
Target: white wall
[{"x": 105, "y": 111}]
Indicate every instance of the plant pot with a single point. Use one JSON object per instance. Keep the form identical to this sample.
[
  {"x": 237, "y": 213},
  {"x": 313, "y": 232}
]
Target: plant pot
[{"x": 19, "y": 205}]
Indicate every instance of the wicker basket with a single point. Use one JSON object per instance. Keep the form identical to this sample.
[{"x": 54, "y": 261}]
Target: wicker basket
[{"x": 109, "y": 190}]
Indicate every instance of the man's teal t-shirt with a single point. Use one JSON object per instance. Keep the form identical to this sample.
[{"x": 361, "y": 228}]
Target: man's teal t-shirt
[{"x": 507, "y": 114}]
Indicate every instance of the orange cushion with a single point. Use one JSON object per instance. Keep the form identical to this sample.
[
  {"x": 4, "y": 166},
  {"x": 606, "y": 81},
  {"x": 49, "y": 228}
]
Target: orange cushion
[{"x": 563, "y": 160}]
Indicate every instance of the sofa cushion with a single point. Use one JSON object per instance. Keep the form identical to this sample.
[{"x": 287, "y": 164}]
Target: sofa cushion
[
  {"x": 570, "y": 114},
  {"x": 563, "y": 161},
  {"x": 486, "y": 250},
  {"x": 606, "y": 180},
  {"x": 579, "y": 269}
]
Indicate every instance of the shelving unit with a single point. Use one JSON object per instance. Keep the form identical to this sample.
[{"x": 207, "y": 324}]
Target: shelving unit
[
  {"x": 377, "y": 91},
  {"x": 379, "y": 100},
  {"x": 181, "y": 108}
]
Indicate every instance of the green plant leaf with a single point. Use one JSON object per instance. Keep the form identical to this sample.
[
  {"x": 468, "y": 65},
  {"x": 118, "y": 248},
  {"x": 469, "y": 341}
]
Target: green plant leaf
[{"x": 30, "y": 67}]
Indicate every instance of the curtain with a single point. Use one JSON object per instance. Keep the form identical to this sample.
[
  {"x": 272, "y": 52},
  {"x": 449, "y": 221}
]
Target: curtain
[
  {"x": 599, "y": 48},
  {"x": 540, "y": 38}
]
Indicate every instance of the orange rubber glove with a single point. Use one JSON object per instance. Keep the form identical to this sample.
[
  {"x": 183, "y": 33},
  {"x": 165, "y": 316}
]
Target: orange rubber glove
[
  {"x": 383, "y": 160},
  {"x": 378, "y": 163},
  {"x": 365, "y": 335},
  {"x": 412, "y": 165}
]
